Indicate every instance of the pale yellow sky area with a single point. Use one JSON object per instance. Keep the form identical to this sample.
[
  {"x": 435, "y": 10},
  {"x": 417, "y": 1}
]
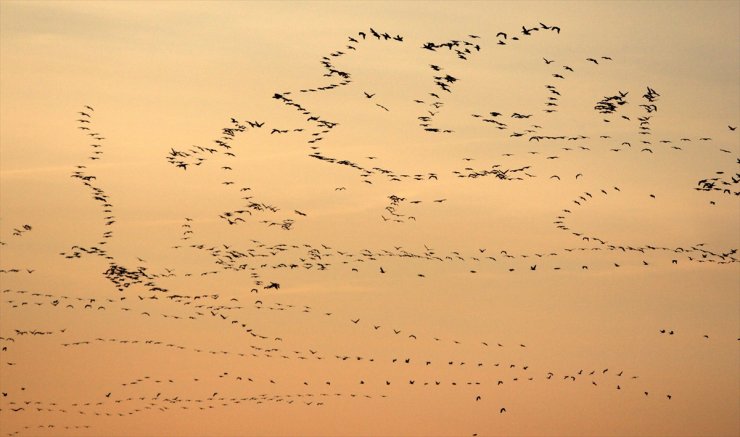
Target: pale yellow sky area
[{"x": 369, "y": 218}]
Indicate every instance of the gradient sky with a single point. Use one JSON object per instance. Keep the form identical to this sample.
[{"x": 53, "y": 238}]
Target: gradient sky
[{"x": 526, "y": 264}]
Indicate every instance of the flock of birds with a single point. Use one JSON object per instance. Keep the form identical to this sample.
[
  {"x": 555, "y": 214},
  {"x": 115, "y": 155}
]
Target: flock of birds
[{"x": 141, "y": 292}]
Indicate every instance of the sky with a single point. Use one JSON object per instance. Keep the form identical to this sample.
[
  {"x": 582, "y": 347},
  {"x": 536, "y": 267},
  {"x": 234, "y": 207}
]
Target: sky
[{"x": 369, "y": 218}]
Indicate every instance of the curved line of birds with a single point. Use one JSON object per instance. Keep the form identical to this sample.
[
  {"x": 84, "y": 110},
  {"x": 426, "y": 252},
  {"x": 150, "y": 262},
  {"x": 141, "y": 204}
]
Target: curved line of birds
[
  {"x": 40, "y": 406},
  {"x": 100, "y": 196},
  {"x": 218, "y": 312},
  {"x": 608, "y": 105},
  {"x": 321, "y": 257},
  {"x": 549, "y": 375},
  {"x": 704, "y": 255},
  {"x": 47, "y": 427},
  {"x": 229, "y": 258},
  {"x": 160, "y": 385}
]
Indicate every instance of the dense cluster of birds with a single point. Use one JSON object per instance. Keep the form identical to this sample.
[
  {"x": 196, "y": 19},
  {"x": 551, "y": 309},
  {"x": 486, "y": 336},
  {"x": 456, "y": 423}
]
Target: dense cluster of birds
[{"x": 143, "y": 292}]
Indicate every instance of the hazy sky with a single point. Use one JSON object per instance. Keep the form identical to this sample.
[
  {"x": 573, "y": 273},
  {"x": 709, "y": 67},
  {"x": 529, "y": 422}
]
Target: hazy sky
[{"x": 369, "y": 218}]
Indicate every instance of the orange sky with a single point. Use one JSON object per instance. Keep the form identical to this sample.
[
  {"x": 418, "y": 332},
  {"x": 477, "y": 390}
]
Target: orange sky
[{"x": 452, "y": 258}]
